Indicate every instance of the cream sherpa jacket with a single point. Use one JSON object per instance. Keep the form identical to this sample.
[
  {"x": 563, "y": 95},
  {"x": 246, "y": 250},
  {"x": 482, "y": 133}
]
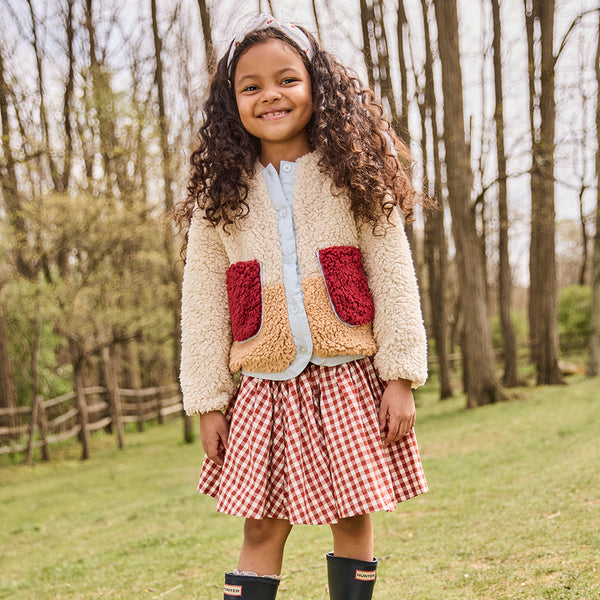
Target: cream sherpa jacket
[{"x": 360, "y": 292}]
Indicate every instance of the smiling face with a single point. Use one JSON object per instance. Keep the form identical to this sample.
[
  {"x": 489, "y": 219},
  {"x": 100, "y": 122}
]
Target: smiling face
[{"x": 274, "y": 99}]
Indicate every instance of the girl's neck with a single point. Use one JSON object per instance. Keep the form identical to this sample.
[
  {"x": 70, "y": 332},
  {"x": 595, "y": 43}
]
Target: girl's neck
[{"x": 275, "y": 154}]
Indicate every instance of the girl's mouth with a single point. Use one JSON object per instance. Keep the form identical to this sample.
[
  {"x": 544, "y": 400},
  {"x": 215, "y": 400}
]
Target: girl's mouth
[{"x": 278, "y": 114}]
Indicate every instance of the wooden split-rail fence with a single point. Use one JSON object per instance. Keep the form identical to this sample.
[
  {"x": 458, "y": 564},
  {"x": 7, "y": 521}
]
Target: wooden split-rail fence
[{"x": 81, "y": 412}]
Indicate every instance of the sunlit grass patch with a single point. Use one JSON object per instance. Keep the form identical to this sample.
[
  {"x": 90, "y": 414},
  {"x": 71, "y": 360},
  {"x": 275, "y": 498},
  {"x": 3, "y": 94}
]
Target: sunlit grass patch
[{"x": 512, "y": 512}]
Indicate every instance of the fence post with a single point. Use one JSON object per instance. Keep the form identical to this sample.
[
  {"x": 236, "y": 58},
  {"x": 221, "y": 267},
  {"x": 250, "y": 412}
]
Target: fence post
[
  {"x": 159, "y": 405},
  {"x": 82, "y": 409},
  {"x": 114, "y": 400},
  {"x": 43, "y": 426},
  {"x": 188, "y": 424},
  {"x": 140, "y": 413},
  {"x": 32, "y": 423}
]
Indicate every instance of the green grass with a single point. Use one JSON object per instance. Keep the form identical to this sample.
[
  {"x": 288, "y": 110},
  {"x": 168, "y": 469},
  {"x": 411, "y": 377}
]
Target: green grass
[{"x": 513, "y": 512}]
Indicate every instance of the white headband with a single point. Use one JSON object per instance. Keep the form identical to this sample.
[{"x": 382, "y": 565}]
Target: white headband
[{"x": 262, "y": 21}]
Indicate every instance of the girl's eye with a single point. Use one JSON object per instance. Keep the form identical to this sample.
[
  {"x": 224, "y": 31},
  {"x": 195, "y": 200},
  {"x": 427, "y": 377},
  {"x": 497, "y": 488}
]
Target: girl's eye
[
  {"x": 289, "y": 80},
  {"x": 250, "y": 88}
]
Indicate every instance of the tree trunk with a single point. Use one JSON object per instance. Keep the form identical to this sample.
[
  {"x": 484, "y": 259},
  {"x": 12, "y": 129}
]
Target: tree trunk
[
  {"x": 113, "y": 396},
  {"x": 38, "y": 408},
  {"x": 593, "y": 368},
  {"x": 141, "y": 109},
  {"x": 68, "y": 97},
  {"x": 375, "y": 52},
  {"x": 316, "y": 16},
  {"x": 401, "y": 121},
  {"x": 534, "y": 175},
  {"x": 168, "y": 191},
  {"x": 366, "y": 47},
  {"x": 82, "y": 408},
  {"x": 56, "y": 180},
  {"x": 209, "y": 48},
  {"x": 511, "y": 378},
  {"x": 8, "y": 183},
  {"x": 103, "y": 102},
  {"x": 163, "y": 125},
  {"x": 132, "y": 369},
  {"x": 436, "y": 251},
  {"x": 8, "y": 392},
  {"x": 481, "y": 204},
  {"x": 584, "y": 236},
  {"x": 403, "y": 32},
  {"x": 481, "y": 386},
  {"x": 543, "y": 317}
]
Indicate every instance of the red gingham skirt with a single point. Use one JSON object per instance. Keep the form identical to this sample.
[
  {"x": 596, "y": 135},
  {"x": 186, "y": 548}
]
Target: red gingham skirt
[{"x": 309, "y": 449}]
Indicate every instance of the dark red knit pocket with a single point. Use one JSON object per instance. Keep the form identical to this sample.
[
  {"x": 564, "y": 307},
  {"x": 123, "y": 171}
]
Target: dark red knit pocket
[
  {"x": 347, "y": 284},
  {"x": 245, "y": 299}
]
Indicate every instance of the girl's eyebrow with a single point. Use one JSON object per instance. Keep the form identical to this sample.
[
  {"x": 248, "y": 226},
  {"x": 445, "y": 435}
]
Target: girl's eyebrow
[{"x": 277, "y": 74}]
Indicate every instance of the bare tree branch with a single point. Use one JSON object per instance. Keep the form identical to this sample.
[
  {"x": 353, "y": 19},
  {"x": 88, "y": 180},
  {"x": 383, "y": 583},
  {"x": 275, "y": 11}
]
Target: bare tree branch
[{"x": 572, "y": 26}]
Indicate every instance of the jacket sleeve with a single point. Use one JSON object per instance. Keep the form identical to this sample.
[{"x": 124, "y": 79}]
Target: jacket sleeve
[
  {"x": 398, "y": 323},
  {"x": 206, "y": 381}
]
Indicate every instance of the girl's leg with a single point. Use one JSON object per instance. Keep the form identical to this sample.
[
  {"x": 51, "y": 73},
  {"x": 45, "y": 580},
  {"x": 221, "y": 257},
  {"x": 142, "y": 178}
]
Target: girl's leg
[
  {"x": 264, "y": 541},
  {"x": 351, "y": 568},
  {"x": 353, "y": 537}
]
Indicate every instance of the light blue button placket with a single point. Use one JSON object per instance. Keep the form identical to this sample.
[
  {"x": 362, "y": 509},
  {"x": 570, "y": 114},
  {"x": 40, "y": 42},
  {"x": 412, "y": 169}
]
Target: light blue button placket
[{"x": 280, "y": 187}]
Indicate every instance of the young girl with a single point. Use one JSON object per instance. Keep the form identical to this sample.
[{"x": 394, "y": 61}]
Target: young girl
[{"x": 299, "y": 275}]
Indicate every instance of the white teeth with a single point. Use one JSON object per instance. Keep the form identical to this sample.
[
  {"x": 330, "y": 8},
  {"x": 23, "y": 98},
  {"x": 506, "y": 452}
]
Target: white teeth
[{"x": 274, "y": 114}]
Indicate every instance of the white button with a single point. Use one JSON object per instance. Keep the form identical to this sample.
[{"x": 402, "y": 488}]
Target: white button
[
  {"x": 288, "y": 259},
  {"x": 295, "y": 308},
  {"x": 282, "y": 213},
  {"x": 302, "y": 350},
  {"x": 287, "y": 168}
]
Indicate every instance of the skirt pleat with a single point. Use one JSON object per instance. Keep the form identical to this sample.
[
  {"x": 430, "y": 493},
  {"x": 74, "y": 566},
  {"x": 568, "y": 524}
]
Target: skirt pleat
[{"x": 309, "y": 449}]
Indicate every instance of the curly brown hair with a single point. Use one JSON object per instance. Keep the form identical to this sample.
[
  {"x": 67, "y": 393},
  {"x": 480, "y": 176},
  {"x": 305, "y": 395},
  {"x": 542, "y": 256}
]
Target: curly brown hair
[{"x": 358, "y": 147}]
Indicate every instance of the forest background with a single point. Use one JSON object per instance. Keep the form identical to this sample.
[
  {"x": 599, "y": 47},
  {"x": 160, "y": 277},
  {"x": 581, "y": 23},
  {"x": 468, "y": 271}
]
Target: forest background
[{"x": 99, "y": 106}]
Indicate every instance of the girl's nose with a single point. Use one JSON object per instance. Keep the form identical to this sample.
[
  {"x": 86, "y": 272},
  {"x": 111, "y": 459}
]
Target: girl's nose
[{"x": 271, "y": 94}]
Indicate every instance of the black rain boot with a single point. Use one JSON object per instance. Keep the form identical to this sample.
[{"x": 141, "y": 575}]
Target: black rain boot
[
  {"x": 250, "y": 587},
  {"x": 350, "y": 578}
]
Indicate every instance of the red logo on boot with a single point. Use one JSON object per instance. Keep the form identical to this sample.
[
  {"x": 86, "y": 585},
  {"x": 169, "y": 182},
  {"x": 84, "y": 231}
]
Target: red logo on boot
[
  {"x": 233, "y": 590},
  {"x": 365, "y": 575}
]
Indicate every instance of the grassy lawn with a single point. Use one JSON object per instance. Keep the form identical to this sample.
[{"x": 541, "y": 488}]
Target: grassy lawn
[{"x": 513, "y": 512}]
